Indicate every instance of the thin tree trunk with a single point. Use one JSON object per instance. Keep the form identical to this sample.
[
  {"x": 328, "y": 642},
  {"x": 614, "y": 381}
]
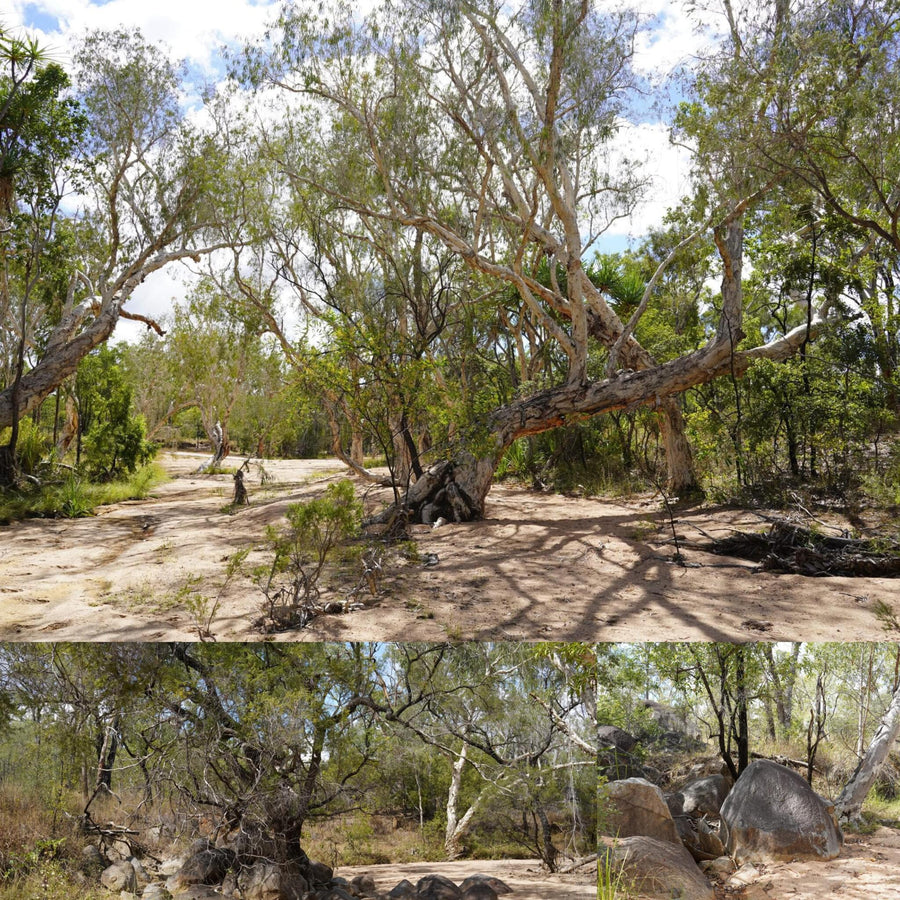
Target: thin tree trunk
[{"x": 457, "y": 828}]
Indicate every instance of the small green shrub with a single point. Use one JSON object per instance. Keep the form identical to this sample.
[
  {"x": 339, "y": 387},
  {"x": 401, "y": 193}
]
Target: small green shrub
[
  {"x": 31, "y": 446},
  {"x": 73, "y": 499},
  {"x": 611, "y": 881},
  {"x": 314, "y": 529}
]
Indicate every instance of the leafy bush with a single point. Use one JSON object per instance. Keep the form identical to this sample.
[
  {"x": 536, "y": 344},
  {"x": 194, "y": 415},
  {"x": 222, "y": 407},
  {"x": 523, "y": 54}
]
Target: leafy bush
[
  {"x": 315, "y": 528},
  {"x": 113, "y": 437},
  {"x": 73, "y": 500}
]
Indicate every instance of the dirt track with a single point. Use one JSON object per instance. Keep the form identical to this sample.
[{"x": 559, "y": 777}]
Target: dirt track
[{"x": 539, "y": 567}]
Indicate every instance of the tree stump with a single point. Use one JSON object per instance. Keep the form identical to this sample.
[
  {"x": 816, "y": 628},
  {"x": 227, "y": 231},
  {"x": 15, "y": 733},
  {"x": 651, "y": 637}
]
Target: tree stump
[{"x": 241, "y": 497}]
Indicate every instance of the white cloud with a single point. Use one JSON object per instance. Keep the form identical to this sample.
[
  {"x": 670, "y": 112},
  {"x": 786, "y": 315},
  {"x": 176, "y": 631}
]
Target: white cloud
[
  {"x": 193, "y": 29},
  {"x": 667, "y": 167},
  {"x": 155, "y": 298},
  {"x": 674, "y": 37}
]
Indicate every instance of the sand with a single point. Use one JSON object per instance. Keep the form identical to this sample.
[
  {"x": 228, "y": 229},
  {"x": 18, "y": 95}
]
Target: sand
[
  {"x": 525, "y": 876},
  {"x": 539, "y": 567}
]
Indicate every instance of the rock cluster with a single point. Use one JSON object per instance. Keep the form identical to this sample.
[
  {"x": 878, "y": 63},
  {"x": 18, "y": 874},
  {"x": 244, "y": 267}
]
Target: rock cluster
[
  {"x": 208, "y": 872},
  {"x": 659, "y": 843}
]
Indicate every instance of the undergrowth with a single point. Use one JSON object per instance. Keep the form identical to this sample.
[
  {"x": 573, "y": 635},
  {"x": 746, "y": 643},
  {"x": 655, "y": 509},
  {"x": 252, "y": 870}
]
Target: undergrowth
[{"x": 75, "y": 497}]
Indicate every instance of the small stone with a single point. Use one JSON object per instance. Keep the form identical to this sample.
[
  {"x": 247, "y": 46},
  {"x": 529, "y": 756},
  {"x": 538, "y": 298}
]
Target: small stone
[{"x": 746, "y": 874}]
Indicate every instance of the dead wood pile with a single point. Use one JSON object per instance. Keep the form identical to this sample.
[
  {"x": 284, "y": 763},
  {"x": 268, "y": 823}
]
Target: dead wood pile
[{"x": 791, "y": 548}]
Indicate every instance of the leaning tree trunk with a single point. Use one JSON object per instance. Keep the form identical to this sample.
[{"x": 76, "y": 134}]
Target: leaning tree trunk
[
  {"x": 849, "y": 804},
  {"x": 456, "y": 489}
]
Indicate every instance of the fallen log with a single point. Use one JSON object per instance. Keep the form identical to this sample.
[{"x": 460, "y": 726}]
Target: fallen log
[{"x": 791, "y": 548}]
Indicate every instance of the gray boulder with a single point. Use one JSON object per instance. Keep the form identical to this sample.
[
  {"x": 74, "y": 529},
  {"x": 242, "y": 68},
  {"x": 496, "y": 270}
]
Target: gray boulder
[
  {"x": 119, "y": 877},
  {"x": 638, "y": 808},
  {"x": 611, "y": 737},
  {"x": 156, "y": 892},
  {"x": 196, "y": 892},
  {"x": 402, "y": 890},
  {"x": 660, "y": 870},
  {"x": 705, "y": 796},
  {"x": 364, "y": 884},
  {"x": 92, "y": 860},
  {"x": 170, "y": 866},
  {"x": 337, "y": 893},
  {"x": 479, "y": 891},
  {"x": 207, "y": 866},
  {"x": 436, "y": 887},
  {"x": 267, "y": 881},
  {"x": 675, "y": 802},
  {"x": 498, "y": 886},
  {"x": 772, "y": 814},
  {"x": 319, "y": 873}
]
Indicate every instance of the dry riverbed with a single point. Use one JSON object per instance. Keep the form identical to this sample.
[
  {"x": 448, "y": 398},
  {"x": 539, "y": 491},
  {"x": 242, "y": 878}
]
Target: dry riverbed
[{"x": 539, "y": 567}]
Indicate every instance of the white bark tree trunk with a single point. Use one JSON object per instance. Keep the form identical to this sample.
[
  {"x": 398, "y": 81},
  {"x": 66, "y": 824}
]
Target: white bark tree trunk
[
  {"x": 849, "y": 804},
  {"x": 457, "y": 828}
]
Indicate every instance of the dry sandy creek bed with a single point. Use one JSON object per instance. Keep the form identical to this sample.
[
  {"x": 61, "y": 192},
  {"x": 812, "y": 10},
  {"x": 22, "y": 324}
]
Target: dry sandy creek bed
[
  {"x": 867, "y": 869},
  {"x": 539, "y": 567}
]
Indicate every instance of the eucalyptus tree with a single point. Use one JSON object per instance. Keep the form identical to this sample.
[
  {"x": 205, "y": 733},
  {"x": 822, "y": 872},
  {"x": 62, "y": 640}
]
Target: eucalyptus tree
[
  {"x": 39, "y": 129},
  {"x": 488, "y": 127},
  {"x": 151, "y": 193},
  {"x": 516, "y": 717}
]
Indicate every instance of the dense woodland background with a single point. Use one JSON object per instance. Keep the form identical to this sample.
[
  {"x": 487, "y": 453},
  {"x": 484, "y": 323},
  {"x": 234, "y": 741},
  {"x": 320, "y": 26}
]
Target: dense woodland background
[{"x": 366, "y": 753}]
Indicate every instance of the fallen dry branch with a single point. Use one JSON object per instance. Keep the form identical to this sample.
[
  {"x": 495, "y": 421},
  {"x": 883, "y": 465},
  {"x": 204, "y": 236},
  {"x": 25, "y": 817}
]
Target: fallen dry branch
[{"x": 791, "y": 548}]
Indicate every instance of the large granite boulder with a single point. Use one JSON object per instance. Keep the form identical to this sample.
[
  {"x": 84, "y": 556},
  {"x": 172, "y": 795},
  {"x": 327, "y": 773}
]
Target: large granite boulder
[
  {"x": 437, "y": 887},
  {"x": 206, "y": 866},
  {"x": 479, "y": 891},
  {"x": 772, "y": 814},
  {"x": 637, "y": 807},
  {"x": 120, "y": 876},
  {"x": 660, "y": 870},
  {"x": 318, "y": 873},
  {"x": 498, "y": 886},
  {"x": 705, "y": 796}
]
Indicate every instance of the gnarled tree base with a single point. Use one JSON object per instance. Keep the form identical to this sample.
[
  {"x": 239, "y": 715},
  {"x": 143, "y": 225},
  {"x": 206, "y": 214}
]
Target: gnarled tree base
[{"x": 453, "y": 490}]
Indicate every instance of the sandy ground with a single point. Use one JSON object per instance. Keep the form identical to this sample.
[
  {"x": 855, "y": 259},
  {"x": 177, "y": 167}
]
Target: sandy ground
[
  {"x": 525, "y": 876},
  {"x": 539, "y": 567},
  {"x": 867, "y": 869}
]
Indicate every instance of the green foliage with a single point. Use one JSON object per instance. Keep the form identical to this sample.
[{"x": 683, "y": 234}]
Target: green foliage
[
  {"x": 612, "y": 883},
  {"x": 75, "y": 496},
  {"x": 203, "y": 608},
  {"x": 113, "y": 437},
  {"x": 31, "y": 447},
  {"x": 314, "y": 530},
  {"x": 73, "y": 500}
]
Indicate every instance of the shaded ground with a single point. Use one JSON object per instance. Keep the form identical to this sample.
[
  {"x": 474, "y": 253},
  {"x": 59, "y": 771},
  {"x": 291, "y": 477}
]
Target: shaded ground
[
  {"x": 540, "y": 567},
  {"x": 524, "y": 876}
]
